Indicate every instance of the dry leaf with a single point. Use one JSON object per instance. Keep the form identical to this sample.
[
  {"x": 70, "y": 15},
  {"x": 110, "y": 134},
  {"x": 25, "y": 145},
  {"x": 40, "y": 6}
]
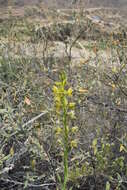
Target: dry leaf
[
  {"x": 82, "y": 61},
  {"x": 122, "y": 148},
  {"x": 27, "y": 101},
  {"x": 83, "y": 90}
]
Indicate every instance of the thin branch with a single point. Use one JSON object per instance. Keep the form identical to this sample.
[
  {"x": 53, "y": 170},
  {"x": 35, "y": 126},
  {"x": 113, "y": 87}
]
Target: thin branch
[
  {"x": 34, "y": 119},
  {"x": 29, "y": 185}
]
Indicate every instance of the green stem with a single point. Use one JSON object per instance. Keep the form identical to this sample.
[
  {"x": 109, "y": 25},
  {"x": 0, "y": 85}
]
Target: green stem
[{"x": 65, "y": 147}]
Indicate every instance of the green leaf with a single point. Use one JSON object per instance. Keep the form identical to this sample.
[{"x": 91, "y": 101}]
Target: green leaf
[
  {"x": 107, "y": 186},
  {"x": 59, "y": 179},
  {"x": 2, "y": 111},
  {"x": 119, "y": 178},
  {"x": 26, "y": 184},
  {"x": 95, "y": 150},
  {"x": 94, "y": 143}
]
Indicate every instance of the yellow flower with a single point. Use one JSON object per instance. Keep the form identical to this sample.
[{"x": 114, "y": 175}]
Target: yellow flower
[
  {"x": 74, "y": 129},
  {"x": 113, "y": 86},
  {"x": 55, "y": 90},
  {"x": 59, "y": 141},
  {"x": 71, "y": 105},
  {"x": 58, "y": 106},
  {"x": 69, "y": 92},
  {"x": 57, "y": 99},
  {"x": 72, "y": 114},
  {"x": 73, "y": 144},
  {"x": 58, "y": 131},
  {"x": 58, "y": 83},
  {"x": 64, "y": 82},
  {"x": 57, "y": 103}
]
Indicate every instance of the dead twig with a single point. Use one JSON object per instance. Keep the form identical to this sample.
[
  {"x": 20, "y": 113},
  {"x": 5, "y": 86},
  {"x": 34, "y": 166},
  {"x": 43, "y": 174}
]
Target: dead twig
[
  {"x": 29, "y": 185},
  {"x": 34, "y": 119}
]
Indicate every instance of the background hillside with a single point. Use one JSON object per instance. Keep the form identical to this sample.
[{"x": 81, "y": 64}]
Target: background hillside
[{"x": 66, "y": 3}]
